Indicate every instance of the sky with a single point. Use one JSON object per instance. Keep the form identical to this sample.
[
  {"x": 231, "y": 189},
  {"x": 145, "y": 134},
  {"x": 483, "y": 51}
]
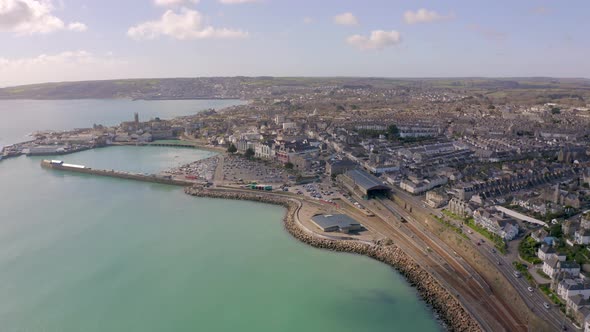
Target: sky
[{"x": 67, "y": 40}]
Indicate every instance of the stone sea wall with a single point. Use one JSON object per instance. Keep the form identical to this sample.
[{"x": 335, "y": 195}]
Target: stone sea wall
[{"x": 444, "y": 304}]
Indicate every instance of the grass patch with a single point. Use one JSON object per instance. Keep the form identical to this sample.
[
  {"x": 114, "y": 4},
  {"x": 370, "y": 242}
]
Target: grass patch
[
  {"x": 552, "y": 296},
  {"x": 498, "y": 241},
  {"x": 452, "y": 215},
  {"x": 451, "y": 227}
]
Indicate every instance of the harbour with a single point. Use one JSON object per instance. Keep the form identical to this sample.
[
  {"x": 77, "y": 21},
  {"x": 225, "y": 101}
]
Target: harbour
[{"x": 151, "y": 258}]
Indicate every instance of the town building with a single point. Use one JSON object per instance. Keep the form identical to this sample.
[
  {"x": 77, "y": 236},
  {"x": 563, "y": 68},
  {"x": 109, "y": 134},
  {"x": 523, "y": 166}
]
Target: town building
[
  {"x": 336, "y": 223},
  {"x": 364, "y": 184}
]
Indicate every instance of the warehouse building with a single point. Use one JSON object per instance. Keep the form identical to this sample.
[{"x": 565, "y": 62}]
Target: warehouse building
[
  {"x": 364, "y": 184},
  {"x": 336, "y": 223}
]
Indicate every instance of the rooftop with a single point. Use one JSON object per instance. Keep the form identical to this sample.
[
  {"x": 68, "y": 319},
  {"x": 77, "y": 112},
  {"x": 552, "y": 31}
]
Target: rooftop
[
  {"x": 365, "y": 180},
  {"x": 341, "y": 221}
]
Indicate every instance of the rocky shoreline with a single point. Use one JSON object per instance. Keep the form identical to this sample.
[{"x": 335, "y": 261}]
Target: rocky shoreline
[{"x": 449, "y": 309}]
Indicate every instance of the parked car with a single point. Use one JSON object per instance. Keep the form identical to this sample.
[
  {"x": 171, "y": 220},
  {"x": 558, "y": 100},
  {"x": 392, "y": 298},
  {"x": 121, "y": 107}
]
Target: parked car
[
  {"x": 530, "y": 289},
  {"x": 546, "y": 305}
]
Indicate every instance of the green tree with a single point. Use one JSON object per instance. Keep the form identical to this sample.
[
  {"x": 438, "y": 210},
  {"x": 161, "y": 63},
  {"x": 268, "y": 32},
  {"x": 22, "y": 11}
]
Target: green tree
[
  {"x": 232, "y": 148},
  {"x": 393, "y": 131},
  {"x": 249, "y": 153},
  {"x": 289, "y": 165}
]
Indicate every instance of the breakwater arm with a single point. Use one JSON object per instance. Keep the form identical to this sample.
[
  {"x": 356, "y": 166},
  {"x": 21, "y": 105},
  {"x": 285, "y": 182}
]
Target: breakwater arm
[
  {"x": 450, "y": 310},
  {"x": 154, "y": 178}
]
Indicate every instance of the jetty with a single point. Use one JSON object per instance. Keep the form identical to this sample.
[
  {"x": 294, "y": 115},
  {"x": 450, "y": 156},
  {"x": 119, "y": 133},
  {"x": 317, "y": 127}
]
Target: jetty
[{"x": 155, "y": 178}]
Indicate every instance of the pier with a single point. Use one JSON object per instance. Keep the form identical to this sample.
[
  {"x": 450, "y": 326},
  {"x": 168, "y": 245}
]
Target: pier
[{"x": 154, "y": 178}]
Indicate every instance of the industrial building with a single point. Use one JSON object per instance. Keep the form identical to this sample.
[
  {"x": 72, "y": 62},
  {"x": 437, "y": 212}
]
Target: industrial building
[
  {"x": 364, "y": 184},
  {"x": 336, "y": 223}
]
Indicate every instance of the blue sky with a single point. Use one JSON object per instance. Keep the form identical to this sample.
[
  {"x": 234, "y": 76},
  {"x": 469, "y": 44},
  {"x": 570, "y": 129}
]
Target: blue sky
[{"x": 57, "y": 40}]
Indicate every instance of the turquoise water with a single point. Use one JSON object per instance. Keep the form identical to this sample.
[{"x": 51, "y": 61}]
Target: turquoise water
[{"x": 84, "y": 253}]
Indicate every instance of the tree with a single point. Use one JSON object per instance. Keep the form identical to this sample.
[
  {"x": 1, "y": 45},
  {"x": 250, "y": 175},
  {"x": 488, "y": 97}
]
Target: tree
[
  {"x": 289, "y": 165},
  {"x": 393, "y": 131},
  {"x": 249, "y": 153},
  {"x": 232, "y": 148}
]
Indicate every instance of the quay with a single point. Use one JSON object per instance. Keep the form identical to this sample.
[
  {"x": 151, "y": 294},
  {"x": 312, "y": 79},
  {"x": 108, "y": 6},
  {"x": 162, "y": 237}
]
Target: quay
[{"x": 155, "y": 178}]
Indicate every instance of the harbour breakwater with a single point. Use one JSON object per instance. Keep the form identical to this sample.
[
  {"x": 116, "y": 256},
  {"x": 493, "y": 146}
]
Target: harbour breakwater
[
  {"x": 115, "y": 174},
  {"x": 449, "y": 309}
]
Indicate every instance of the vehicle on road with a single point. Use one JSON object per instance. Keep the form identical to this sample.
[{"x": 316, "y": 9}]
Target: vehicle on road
[
  {"x": 493, "y": 250},
  {"x": 499, "y": 263},
  {"x": 517, "y": 274},
  {"x": 530, "y": 289},
  {"x": 546, "y": 305},
  {"x": 470, "y": 231}
]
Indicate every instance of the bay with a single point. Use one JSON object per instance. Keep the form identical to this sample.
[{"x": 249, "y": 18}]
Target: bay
[{"x": 85, "y": 253}]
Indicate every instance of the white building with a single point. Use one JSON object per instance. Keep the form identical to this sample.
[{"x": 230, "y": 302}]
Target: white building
[{"x": 496, "y": 223}]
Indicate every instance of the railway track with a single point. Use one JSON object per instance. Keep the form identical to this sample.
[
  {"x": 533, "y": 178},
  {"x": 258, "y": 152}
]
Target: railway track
[{"x": 477, "y": 297}]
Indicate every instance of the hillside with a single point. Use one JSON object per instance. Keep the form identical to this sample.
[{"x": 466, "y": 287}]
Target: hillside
[{"x": 515, "y": 89}]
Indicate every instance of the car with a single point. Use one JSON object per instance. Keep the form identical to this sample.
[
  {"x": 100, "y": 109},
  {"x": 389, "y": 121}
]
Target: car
[
  {"x": 499, "y": 263},
  {"x": 470, "y": 231},
  {"x": 546, "y": 305},
  {"x": 530, "y": 289},
  {"x": 493, "y": 250}
]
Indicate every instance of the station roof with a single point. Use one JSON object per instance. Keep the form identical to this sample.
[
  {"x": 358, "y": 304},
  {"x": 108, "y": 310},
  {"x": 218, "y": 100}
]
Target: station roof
[
  {"x": 366, "y": 180},
  {"x": 334, "y": 220}
]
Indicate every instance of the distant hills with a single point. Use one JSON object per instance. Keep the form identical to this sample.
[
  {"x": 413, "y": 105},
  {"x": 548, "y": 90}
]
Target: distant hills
[{"x": 252, "y": 87}]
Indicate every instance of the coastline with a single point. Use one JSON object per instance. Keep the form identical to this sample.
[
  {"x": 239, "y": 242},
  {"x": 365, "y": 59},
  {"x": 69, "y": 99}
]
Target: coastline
[{"x": 449, "y": 309}]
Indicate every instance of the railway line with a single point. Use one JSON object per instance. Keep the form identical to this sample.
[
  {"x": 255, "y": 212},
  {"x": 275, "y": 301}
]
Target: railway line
[{"x": 455, "y": 275}]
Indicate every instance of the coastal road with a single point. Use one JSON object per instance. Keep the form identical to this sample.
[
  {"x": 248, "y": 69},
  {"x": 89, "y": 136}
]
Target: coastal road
[
  {"x": 474, "y": 292},
  {"x": 475, "y": 296},
  {"x": 533, "y": 300}
]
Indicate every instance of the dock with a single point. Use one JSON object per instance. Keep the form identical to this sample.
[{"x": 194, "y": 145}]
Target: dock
[{"x": 154, "y": 178}]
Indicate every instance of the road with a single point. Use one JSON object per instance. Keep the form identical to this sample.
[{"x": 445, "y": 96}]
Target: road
[
  {"x": 534, "y": 300},
  {"x": 452, "y": 272}
]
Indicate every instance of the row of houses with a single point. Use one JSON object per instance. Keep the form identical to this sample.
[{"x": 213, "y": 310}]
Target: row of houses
[{"x": 570, "y": 285}]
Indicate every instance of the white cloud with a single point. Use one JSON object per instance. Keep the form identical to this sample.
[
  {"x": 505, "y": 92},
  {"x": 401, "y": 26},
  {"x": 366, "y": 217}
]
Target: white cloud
[
  {"x": 346, "y": 19},
  {"x": 233, "y": 2},
  {"x": 27, "y": 17},
  {"x": 187, "y": 24},
  {"x": 77, "y": 26},
  {"x": 69, "y": 65},
  {"x": 378, "y": 40},
  {"x": 167, "y": 3},
  {"x": 424, "y": 16}
]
